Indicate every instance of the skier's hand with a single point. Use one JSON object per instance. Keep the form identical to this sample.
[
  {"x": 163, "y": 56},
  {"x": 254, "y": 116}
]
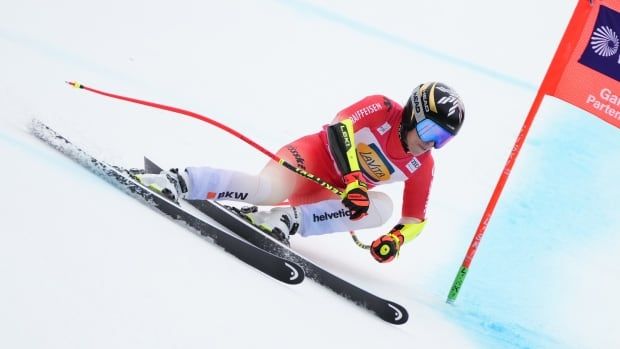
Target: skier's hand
[
  {"x": 355, "y": 196},
  {"x": 386, "y": 247}
]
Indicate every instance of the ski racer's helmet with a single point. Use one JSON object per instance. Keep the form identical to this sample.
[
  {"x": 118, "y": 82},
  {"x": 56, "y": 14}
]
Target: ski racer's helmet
[{"x": 430, "y": 105}]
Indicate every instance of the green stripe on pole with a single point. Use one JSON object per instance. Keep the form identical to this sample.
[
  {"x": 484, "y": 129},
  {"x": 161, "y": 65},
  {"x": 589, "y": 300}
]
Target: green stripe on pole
[{"x": 456, "y": 285}]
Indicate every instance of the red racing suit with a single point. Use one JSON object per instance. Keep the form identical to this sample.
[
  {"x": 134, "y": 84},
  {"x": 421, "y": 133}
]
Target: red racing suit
[{"x": 382, "y": 158}]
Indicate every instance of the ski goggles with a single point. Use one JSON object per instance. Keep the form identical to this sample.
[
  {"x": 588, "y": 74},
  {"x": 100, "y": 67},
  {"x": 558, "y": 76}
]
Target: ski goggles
[{"x": 429, "y": 131}]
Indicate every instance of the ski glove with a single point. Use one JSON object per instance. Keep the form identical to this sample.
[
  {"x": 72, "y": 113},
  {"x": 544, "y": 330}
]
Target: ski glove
[
  {"x": 355, "y": 196},
  {"x": 386, "y": 247}
]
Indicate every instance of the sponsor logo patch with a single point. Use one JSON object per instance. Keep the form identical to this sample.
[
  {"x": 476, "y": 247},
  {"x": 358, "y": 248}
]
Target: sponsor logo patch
[
  {"x": 365, "y": 111},
  {"x": 383, "y": 129},
  {"x": 232, "y": 195},
  {"x": 298, "y": 158},
  {"x": 373, "y": 163},
  {"x": 602, "y": 52},
  {"x": 413, "y": 165},
  {"x": 330, "y": 215}
]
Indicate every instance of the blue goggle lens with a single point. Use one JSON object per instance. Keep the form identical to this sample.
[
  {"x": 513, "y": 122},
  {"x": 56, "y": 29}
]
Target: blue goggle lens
[{"x": 429, "y": 131}]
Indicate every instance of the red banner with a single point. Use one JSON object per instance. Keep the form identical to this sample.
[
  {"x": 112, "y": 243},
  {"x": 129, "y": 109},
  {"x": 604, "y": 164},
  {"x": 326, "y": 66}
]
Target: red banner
[{"x": 585, "y": 70}]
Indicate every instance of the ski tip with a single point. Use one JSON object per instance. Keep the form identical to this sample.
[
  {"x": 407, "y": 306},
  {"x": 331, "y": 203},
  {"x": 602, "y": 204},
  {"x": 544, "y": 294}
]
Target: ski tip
[
  {"x": 396, "y": 314},
  {"x": 297, "y": 274},
  {"x": 34, "y": 124}
]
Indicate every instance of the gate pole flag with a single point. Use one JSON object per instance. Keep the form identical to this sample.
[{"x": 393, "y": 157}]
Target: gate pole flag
[{"x": 585, "y": 72}]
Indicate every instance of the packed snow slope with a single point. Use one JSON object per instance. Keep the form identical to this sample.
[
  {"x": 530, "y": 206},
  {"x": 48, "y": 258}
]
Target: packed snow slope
[{"x": 84, "y": 265}]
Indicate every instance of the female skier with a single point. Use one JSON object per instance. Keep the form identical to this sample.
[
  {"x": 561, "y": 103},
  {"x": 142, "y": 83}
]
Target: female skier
[{"x": 372, "y": 142}]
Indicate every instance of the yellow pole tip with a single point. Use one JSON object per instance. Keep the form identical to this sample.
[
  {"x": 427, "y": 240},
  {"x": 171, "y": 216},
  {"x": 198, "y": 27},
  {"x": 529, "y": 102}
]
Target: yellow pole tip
[{"x": 74, "y": 84}]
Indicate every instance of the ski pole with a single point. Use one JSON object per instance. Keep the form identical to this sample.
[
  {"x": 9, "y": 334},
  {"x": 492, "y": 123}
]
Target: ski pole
[
  {"x": 357, "y": 241},
  {"x": 233, "y": 132}
]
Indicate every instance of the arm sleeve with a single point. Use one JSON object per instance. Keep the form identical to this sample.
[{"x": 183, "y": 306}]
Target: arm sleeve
[
  {"x": 417, "y": 190},
  {"x": 411, "y": 230}
]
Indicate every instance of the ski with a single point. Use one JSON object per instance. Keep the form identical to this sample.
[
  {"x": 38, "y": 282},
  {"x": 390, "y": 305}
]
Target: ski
[
  {"x": 385, "y": 309},
  {"x": 277, "y": 267}
]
